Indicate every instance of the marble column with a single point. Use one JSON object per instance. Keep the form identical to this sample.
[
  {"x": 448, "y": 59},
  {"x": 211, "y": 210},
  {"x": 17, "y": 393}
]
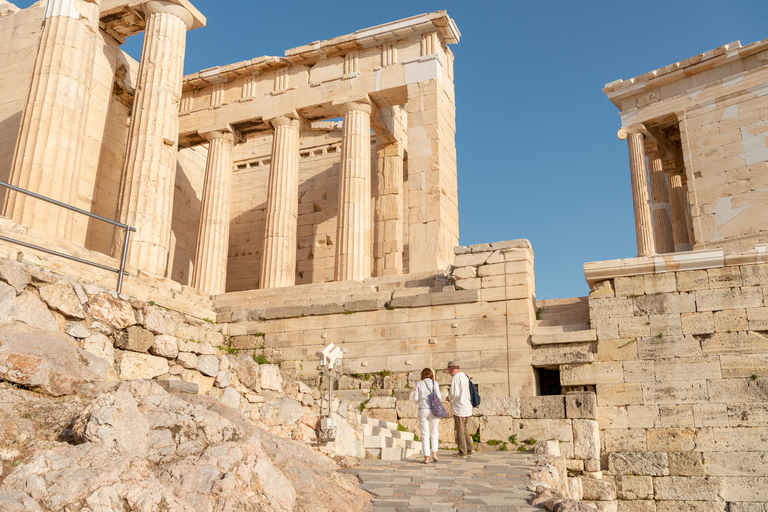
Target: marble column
[
  {"x": 49, "y": 148},
  {"x": 149, "y": 172},
  {"x": 677, "y": 207},
  {"x": 278, "y": 261},
  {"x": 662, "y": 224},
  {"x": 641, "y": 200},
  {"x": 210, "y": 271},
  {"x": 353, "y": 232}
]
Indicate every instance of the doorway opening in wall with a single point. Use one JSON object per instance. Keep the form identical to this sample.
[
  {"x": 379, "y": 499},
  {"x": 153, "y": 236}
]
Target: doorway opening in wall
[{"x": 548, "y": 381}]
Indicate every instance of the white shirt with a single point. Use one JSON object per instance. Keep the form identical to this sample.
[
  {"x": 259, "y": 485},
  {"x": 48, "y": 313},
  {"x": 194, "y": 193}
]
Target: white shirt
[
  {"x": 423, "y": 389},
  {"x": 461, "y": 403}
]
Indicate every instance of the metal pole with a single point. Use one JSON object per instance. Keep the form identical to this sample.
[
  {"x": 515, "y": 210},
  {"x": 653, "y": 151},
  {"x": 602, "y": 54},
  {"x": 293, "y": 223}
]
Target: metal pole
[{"x": 126, "y": 239}]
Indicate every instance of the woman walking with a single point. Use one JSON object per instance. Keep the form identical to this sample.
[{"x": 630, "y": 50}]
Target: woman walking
[{"x": 428, "y": 422}]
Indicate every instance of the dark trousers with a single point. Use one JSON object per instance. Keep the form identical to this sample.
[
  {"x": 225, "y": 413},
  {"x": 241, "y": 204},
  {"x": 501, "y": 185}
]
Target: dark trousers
[{"x": 463, "y": 438}]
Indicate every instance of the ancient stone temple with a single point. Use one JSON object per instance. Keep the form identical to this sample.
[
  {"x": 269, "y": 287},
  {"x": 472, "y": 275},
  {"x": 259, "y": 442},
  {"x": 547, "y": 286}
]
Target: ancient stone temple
[{"x": 284, "y": 203}]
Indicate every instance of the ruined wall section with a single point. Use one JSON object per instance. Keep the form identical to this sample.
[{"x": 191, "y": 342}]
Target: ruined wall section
[{"x": 681, "y": 375}]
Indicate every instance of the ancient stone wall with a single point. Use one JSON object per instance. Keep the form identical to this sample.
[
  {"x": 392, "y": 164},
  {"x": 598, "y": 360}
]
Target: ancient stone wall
[{"x": 680, "y": 375}]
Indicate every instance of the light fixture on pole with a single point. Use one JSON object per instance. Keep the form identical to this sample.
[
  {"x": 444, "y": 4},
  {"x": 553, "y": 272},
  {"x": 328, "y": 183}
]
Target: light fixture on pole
[{"x": 330, "y": 358}]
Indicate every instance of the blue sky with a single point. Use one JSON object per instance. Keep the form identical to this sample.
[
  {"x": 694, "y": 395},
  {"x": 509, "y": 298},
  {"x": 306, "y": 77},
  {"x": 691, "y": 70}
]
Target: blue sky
[{"x": 538, "y": 155}]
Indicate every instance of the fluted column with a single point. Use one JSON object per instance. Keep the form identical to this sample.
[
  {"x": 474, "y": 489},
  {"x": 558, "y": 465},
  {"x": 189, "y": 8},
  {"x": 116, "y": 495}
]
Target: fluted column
[
  {"x": 634, "y": 136},
  {"x": 677, "y": 207},
  {"x": 353, "y": 232},
  {"x": 210, "y": 271},
  {"x": 662, "y": 223},
  {"x": 52, "y": 135},
  {"x": 149, "y": 174},
  {"x": 278, "y": 263}
]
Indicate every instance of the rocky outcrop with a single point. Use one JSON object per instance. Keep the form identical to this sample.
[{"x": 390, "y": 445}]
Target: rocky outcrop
[{"x": 133, "y": 446}]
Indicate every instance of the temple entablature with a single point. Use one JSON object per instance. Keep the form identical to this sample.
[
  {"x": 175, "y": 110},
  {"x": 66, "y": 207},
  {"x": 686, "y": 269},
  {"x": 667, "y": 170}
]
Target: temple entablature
[{"x": 124, "y": 18}]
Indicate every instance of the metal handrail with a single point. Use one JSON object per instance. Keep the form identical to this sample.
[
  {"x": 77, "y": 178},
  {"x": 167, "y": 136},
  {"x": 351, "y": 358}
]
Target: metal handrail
[{"x": 126, "y": 239}]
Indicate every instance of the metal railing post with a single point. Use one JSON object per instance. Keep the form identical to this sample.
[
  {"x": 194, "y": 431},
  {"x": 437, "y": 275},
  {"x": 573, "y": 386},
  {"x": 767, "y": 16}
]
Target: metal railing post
[{"x": 120, "y": 272}]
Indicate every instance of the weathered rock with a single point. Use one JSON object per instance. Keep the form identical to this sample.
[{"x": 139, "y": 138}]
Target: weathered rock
[
  {"x": 77, "y": 330},
  {"x": 204, "y": 384},
  {"x": 135, "y": 339},
  {"x": 187, "y": 360},
  {"x": 638, "y": 463},
  {"x": 208, "y": 365},
  {"x": 156, "y": 322},
  {"x": 603, "y": 490},
  {"x": 164, "y": 346},
  {"x": 47, "y": 361},
  {"x": 14, "y": 276},
  {"x": 542, "y": 407},
  {"x": 231, "y": 398},
  {"x": 381, "y": 402},
  {"x": 499, "y": 407},
  {"x": 62, "y": 297},
  {"x": 582, "y": 404},
  {"x": 101, "y": 346},
  {"x": 270, "y": 378},
  {"x": 586, "y": 439},
  {"x": 28, "y": 309},
  {"x": 281, "y": 412},
  {"x": 224, "y": 378},
  {"x": 247, "y": 370},
  {"x": 14, "y": 501},
  {"x": 112, "y": 311},
  {"x": 134, "y": 365}
]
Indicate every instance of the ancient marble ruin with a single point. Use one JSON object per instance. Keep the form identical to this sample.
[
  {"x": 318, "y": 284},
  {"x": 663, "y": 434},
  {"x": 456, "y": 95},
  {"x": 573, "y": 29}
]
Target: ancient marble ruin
[{"x": 286, "y": 202}]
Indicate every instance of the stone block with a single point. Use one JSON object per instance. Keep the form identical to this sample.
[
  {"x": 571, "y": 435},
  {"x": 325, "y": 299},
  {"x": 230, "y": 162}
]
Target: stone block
[
  {"x": 687, "y": 464},
  {"x": 710, "y": 415},
  {"x": 731, "y": 320},
  {"x": 135, "y": 339},
  {"x": 660, "y": 283},
  {"x": 135, "y": 365},
  {"x": 634, "y": 327},
  {"x": 624, "y": 440},
  {"x": 691, "y": 506},
  {"x": 545, "y": 430},
  {"x": 748, "y": 415},
  {"x": 636, "y": 506},
  {"x": 753, "y": 488},
  {"x": 611, "y": 308},
  {"x": 591, "y": 373},
  {"x": 724, "y": 277},
  {"x": 619, "y": 394},
  {"x": 592, "y": 465},
  {"x": 697, "y": 323},
  {"x": 632, "y": 286},
  {"x": 187, "y": 360},
  {"x": 680, "y": 488},
  {"x": 676, "y": 416},
  {"x": 111, "y": 311},
  {"x": 465, "y": 272},
  {"x": 733, "y": 343},
  {"x": 665, "y": 303},
  {"x": 471, "y": 260},
  {"x": 754, "y": 275},
  {"x": 586, "y": 439},
  {"x": 675, "y": 392},
  {"x": 692, "y": 280},
  {"x": 602, "y": 290},
  {"x": 666, "y": 325},
  {"x": 668, "y": 347},
  {"x": 406, "y": 409},
  {"x": 389, "y": 415},
  {"x": 165, "y": 346},
  {"x": 603, "y": 490},
  {"x": 178, "y": 386},
  {"x": 542, "y": 407},
  {"x": 612, "y": 417},
  {"x": 381, "y": 402},
  {"x": 208, "y": 365},
  {"x": 638, "y": 463},
  {"x": 62, "y": 298},
  {"x": 580, "y": 405},
  {"x": 498, "y": 428},
  {"x": 729, "y": 298},
  {"x": 642, "y": 370},
  {"x": 757, "y": 319},
  {"x": 699, "y": 368},
  {"x": 738, "y": 390},
  {"x": 735, "y": 464},
  {"x": 499, "y": 407},
  {"x": 643, "y": 416},
  {"x": 634, "y": 487}
]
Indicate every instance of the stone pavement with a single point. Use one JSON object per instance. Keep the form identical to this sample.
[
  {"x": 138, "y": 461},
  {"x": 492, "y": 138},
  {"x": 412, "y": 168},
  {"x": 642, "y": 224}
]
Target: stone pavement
[{"x": 484, "y": 481}]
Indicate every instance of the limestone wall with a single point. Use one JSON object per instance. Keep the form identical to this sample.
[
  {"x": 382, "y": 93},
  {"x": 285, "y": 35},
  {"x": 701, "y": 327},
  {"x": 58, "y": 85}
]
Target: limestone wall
[{"x": 680, "y": 373}]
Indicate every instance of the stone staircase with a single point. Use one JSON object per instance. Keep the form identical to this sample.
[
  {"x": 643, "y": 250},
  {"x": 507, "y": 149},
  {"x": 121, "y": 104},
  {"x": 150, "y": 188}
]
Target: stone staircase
[
  {"x": 382, "y": 440},
  {"x": 562, "y": 321}
]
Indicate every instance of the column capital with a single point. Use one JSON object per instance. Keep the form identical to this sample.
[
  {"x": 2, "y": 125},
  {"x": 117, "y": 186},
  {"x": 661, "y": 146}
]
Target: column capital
[
  {"x": 221, "y": 131},
  {"x": 626, "y": 131},
  {"x": 154, "y": 6},
  {"x": 285, "y": 121},
  {"x": 654, "y": 150},
  {"x": 349, "y": 106},
  {"x": 219, "y": 134}
]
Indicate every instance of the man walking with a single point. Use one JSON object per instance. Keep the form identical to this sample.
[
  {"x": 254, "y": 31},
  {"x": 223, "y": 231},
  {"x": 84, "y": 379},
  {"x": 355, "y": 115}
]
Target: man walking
[{"x": 461, "y": 408}]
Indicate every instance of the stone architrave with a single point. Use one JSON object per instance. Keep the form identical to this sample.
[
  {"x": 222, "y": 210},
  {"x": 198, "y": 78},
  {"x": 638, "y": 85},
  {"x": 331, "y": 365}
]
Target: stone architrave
[
  {"x": 641, "y": 200},
  {"x": 210, "y": 271},
  {"x": 278, "y": 267},
  {"x": 662, "y": 222},
  {"x": 146, "y": 190},
  {"x": 677, "y": 207},
  {"x": 53, "y": 128},
  {"x": 354, "y": 230}
]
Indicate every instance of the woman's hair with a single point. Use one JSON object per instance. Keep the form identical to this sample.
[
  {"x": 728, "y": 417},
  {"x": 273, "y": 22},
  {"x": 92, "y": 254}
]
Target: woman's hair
[{"x": 426, "y": 373}]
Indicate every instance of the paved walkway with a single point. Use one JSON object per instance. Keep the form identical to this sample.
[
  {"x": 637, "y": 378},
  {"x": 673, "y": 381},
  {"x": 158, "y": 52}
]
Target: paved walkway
[{"x": 484, "y": 481}]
